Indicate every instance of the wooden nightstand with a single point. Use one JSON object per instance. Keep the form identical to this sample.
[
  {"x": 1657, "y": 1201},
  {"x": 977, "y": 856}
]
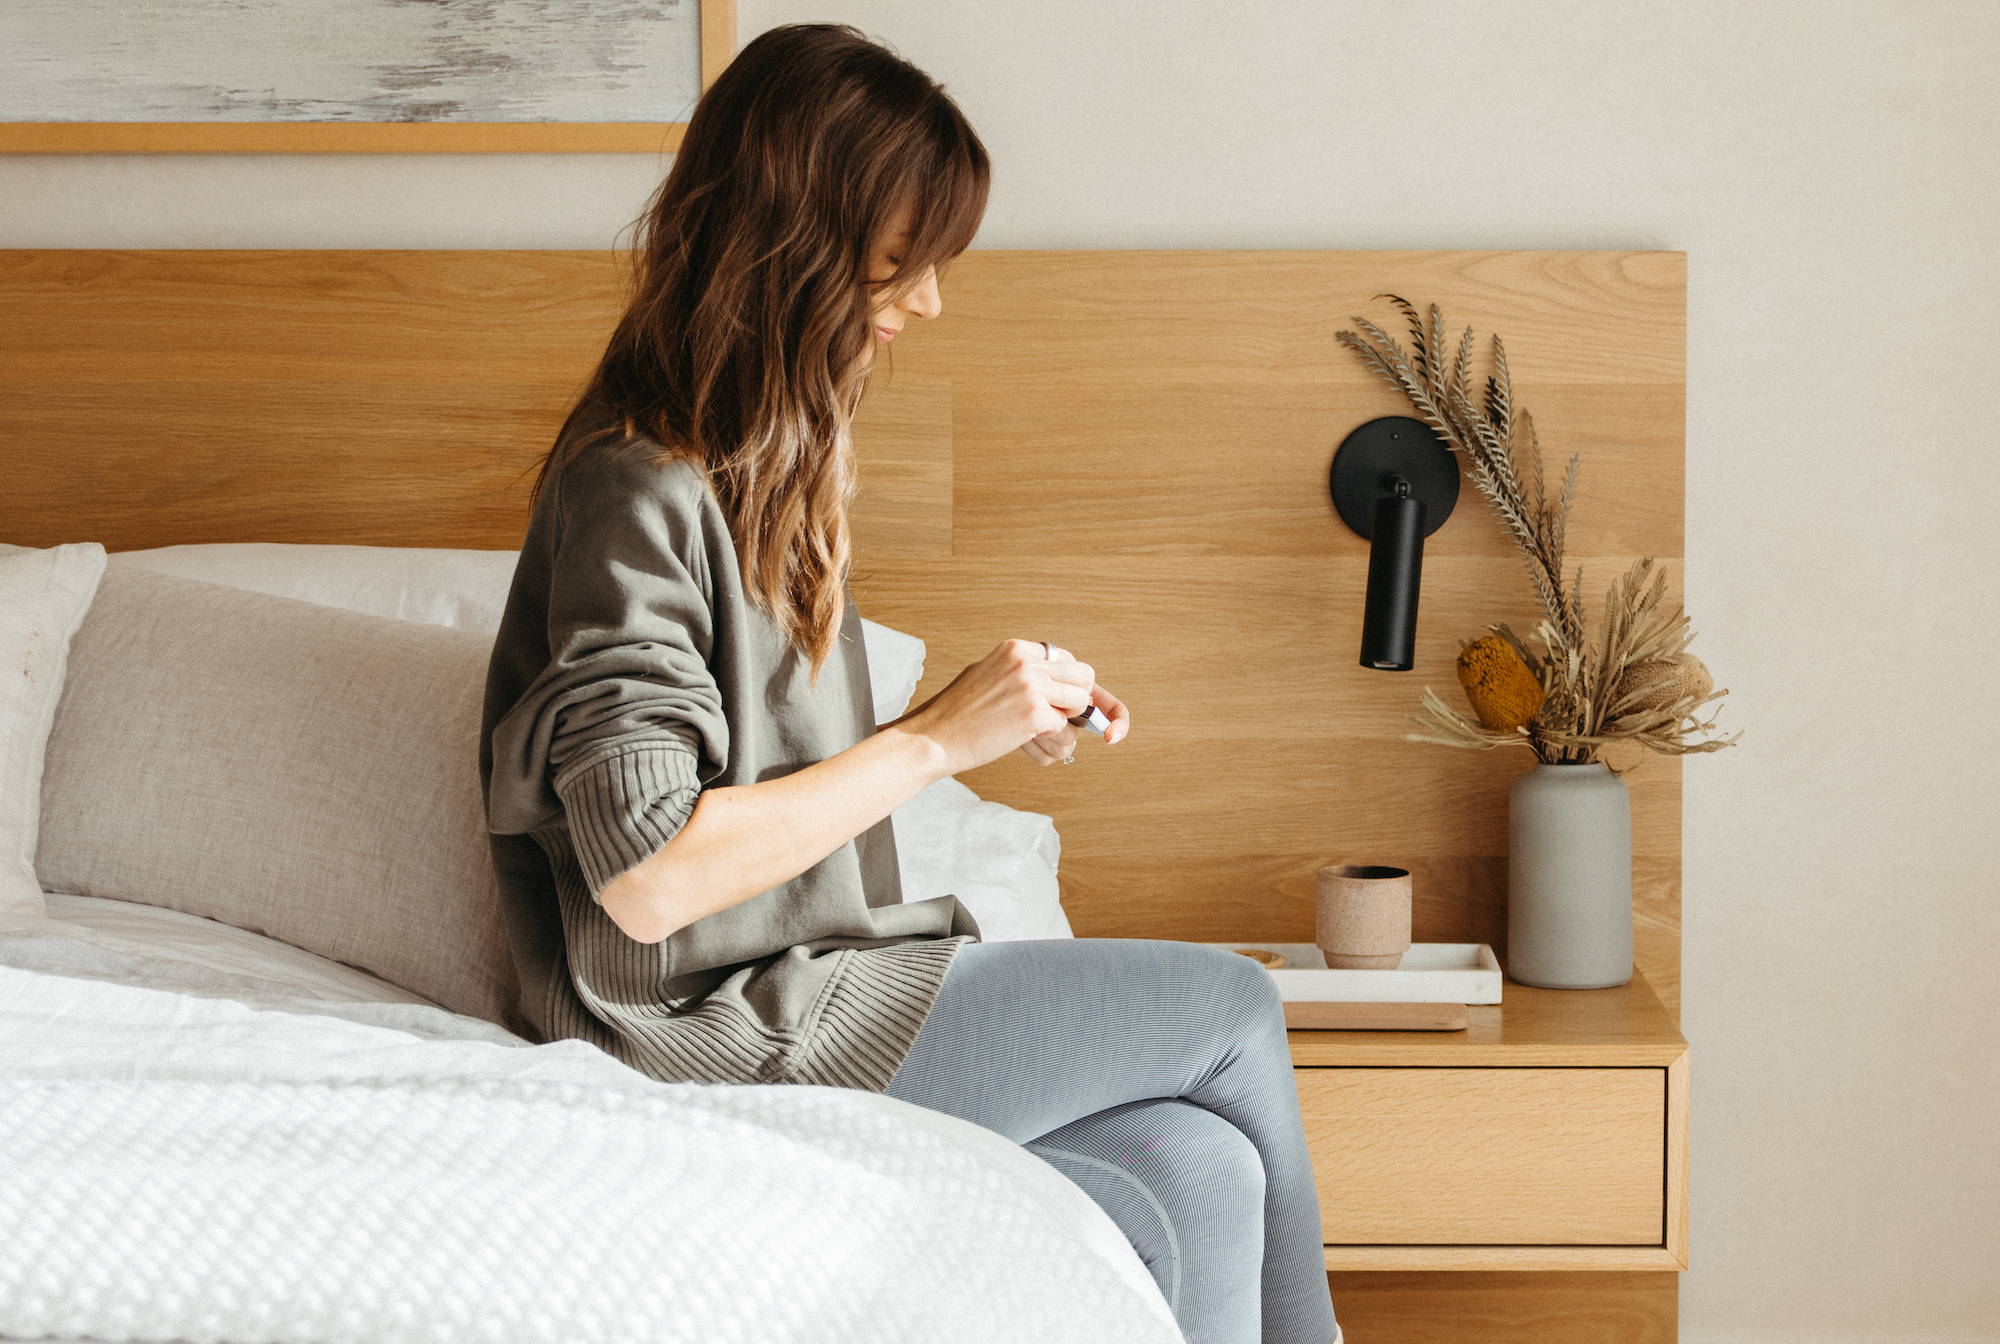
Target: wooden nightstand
[{"x": 1549, "y": 1136}]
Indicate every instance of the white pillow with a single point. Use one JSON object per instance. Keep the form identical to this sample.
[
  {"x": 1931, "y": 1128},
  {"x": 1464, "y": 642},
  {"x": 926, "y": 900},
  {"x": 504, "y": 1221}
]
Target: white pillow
[
  {"x": 895, "y": 666},
  {"x": 43, "y": 598},
  {"x": 999, "y": 861}
]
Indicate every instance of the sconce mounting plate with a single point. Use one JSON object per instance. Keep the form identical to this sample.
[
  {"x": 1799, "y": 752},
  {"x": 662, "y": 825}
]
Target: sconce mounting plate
[{"x": 1372, "y": 458}]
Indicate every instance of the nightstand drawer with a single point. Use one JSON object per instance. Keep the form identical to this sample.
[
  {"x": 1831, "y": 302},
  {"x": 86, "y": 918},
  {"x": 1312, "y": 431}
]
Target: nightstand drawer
[{"x": 1486, "y": 1156}]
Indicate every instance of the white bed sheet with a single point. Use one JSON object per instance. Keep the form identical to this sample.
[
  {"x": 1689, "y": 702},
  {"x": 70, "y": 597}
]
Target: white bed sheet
[{"x": 198, "y": 942}]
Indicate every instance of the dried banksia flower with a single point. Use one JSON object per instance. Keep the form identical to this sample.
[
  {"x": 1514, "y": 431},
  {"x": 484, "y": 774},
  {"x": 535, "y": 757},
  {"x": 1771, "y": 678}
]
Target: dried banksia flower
[
  {"x": 1657, "y": 684},
  {"x": 1503, "y": 692}
]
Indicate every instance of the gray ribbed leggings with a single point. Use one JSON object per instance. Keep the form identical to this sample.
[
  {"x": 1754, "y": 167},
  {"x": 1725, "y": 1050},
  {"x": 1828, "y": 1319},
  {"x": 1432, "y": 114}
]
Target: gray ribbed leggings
[{"x": 1156, "y": 1076}]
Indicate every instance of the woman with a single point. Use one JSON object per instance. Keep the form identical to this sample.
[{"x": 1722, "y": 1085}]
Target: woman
[{"x": 688, "y": 795}]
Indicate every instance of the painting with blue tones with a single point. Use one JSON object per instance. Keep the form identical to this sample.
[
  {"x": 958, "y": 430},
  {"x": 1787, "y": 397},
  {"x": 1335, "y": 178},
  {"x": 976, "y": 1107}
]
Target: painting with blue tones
[{"x": 349, "y": 60}]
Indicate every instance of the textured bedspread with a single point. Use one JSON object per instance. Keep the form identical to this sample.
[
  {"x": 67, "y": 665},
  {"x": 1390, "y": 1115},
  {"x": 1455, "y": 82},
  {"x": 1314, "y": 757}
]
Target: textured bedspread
[{"x": 175, "y": 1167}]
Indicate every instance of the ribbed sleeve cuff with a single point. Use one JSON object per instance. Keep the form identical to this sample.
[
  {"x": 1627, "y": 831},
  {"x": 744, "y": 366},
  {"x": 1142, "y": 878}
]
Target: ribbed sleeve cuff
[{"x": 623, "y": 806}]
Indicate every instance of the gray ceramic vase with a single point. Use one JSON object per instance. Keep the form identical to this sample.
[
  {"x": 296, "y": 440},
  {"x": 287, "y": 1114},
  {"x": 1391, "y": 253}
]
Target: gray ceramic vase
[{"x": 1569, "y": 878}]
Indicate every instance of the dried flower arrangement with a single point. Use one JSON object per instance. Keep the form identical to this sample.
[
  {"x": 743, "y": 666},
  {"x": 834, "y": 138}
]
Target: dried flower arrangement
[{"x": 1577, "y": 690}]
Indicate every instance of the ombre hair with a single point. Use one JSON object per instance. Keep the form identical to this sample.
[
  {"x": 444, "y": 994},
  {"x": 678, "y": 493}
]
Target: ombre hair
[{"x": 745, "y": 346}]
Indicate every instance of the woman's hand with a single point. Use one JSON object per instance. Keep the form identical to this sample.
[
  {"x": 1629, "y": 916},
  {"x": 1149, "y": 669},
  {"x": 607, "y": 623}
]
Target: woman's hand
[
  {"x": 1023, "y": 695},
  {"x": 1059, "y": 747}
]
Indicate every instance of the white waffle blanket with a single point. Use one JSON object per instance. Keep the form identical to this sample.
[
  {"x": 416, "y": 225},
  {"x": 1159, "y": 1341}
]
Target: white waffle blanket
[{"x": 183, "y": 1168}]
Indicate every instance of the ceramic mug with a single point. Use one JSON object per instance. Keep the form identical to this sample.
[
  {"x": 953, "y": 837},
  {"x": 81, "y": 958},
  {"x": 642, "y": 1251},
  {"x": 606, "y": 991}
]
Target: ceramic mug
[{"x": 1364, "y": 916}]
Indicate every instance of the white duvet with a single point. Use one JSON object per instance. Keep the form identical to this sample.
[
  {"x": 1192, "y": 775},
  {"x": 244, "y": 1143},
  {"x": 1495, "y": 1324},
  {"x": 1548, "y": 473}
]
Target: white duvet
[{"x": 178, "y": 1167}]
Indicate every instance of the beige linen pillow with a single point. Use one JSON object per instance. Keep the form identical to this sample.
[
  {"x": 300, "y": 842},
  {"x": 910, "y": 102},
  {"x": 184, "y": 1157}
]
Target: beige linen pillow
[
  {"x": 43, "y": 597},
  {"x": 298, "y": 771}
]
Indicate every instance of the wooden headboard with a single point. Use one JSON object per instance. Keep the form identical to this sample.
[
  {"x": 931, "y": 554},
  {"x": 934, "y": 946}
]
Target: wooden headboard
[{"x": 1121, "y": 452}]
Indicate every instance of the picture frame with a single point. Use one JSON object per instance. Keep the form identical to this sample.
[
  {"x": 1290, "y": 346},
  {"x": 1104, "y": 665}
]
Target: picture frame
[{"x": 717, "y": 38}]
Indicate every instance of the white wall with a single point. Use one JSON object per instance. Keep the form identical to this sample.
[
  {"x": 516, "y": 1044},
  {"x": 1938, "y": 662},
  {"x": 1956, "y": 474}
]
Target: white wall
[{"x": 1833, "y": 170}]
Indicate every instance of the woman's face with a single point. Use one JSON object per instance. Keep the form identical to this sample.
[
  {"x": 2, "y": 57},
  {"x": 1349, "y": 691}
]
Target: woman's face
[{"x": 922, "y": 300}]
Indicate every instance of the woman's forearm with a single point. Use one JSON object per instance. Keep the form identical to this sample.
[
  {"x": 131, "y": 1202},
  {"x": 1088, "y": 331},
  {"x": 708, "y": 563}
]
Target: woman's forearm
[{"x": 744, "y": 840}]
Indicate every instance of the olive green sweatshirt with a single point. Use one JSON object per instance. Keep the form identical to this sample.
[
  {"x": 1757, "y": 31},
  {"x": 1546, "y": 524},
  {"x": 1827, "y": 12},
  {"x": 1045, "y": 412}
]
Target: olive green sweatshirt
[{"x": 630, "y": 672}]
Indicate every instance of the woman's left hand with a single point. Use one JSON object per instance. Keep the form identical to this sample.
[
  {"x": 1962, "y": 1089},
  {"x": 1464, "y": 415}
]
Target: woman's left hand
[{"x": 1060, "y": 746}]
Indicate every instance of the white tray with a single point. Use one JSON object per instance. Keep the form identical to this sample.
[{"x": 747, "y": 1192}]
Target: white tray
[{"x": 1430, "y": 973}]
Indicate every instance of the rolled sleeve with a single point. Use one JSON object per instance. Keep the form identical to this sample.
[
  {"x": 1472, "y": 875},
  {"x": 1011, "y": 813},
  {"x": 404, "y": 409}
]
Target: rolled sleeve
[{"x": 623, "y": 805}]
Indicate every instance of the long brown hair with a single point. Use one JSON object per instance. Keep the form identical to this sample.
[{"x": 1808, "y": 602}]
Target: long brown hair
[{"x": 743, "y": 346}]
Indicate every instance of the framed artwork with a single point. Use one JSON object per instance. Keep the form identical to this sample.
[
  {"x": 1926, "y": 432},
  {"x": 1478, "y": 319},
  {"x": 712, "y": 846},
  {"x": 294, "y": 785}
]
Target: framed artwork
[{"x": 355, "y": 76}]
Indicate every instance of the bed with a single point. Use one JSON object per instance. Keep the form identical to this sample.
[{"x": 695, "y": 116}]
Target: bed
[
  {"x": 331, "y": 450},
  {"x": 259, "y": 1081}
]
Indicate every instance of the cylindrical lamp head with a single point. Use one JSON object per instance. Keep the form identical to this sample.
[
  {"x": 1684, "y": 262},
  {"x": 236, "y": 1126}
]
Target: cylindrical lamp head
[{"x": 1395, "y": 575}]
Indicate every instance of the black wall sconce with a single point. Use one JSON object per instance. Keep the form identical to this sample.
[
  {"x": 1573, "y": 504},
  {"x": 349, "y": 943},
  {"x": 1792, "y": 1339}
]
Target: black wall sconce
[{"x": 1394, "y": 482}]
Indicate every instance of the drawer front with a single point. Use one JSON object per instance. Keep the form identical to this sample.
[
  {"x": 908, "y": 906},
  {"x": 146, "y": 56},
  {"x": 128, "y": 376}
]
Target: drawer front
[{"x": 1415, "y": 1156}]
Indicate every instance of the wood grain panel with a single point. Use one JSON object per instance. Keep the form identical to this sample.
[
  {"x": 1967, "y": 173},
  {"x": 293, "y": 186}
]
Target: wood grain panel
[
  {"x": 903, "y": 438},
  {"x": 1125, "y": 453},
  {"x": 1454, "y": 1308},
  {"x": 1190, "y": 402},
  {"x": 377, "y": 398},
  {"x": 361, "y": 398},
  {"x": 1202, "y": 484},
  {"x": 1492, "y": 1156},
  {"x": 1656, "y": 922}
]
